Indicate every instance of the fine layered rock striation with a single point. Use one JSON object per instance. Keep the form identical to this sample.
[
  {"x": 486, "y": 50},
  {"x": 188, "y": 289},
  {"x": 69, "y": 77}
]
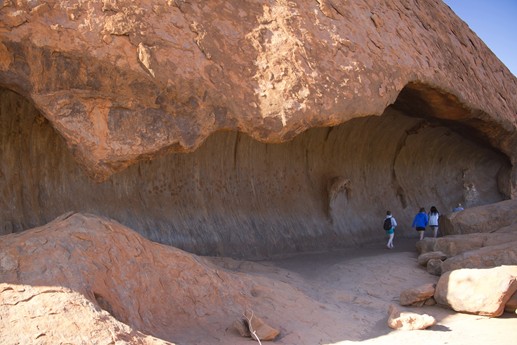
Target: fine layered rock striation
[{"x": 249, "y": 128}]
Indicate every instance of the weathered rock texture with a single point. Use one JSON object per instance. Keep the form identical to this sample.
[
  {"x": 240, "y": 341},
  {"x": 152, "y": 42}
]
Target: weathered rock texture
[
  {"x": 417, "y": 295},
  {"x": 409, "y": 321},
  {"x": 153, "y": 288},
  {"x": 488, "y": 218},
  {"x": 486, "y": 257},
  {"x": 85, "y": 279},
  {"x": 477, "y": 291},
  {"x": 112, "y": 88},
  {"x": 55, "y": 315},
  {"x": 495, "y": 247},
  {"x": 457, "y": 244},
  {"x": 122, "y": 287}
]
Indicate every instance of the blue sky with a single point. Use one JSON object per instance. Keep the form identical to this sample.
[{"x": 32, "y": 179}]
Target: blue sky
[{"x": 495, "y": 22}]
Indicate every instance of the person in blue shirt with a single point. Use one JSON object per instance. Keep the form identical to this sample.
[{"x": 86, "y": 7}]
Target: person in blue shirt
[
  {"x": 458, "y": 208},
  {"x": 420, "y": 222}
]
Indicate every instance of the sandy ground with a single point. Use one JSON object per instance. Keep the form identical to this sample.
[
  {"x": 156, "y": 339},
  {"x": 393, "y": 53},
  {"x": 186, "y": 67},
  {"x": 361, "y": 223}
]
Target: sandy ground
[{"x": 342, "y": 297}]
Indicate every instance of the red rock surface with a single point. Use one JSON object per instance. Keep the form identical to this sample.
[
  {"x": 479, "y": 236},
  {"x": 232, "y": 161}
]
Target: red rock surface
[
  {"x": 414, "y": 296},
  {"x": 477, "y": 291},
  {"x": 123, "y": 81},
  {"x": 75, "y": 279},
  {"x": 482, "y": 219},
  {"x": 407, "y": 320},
  {"x": 83, "y": 277},
  {"x": 59, "y": 315}
]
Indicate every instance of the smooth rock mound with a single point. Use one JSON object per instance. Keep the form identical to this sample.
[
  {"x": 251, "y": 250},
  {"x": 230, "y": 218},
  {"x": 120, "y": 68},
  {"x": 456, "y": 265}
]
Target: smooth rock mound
[{"x": 115, "y": 275}]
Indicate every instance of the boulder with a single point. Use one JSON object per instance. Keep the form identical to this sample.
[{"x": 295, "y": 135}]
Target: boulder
[
  {"x": 434, "y": 267},
  {"x": 456, "y": 244},
  {"x": 486, "y": 257},
  {"x": 477, "y": 291},
  {"x": 451, "y": 245},
  {"x": 405, "y": 320},
  {"x": 480, "y": 219},
  {"x": 425, "y": 257},
  {"x": 416, "y": 295},
  {"x": 258, "y": 328},
  {"x": 113, "y": 276}
]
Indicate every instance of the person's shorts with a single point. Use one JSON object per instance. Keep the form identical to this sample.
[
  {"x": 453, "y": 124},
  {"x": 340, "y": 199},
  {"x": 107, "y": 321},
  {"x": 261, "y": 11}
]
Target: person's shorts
[
  {"x": 390, "y": 231},
  {"x": 433, "y": 226},
  {"x": 419, "y": 228}
]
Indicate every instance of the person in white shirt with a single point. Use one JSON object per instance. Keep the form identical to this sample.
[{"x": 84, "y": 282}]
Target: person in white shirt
[{"x": 434, "y": 215}]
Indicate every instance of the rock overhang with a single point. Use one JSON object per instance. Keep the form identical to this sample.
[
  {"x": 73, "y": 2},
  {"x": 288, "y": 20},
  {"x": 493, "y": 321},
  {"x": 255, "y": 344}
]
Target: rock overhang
[{"x": 120, "y": 84}]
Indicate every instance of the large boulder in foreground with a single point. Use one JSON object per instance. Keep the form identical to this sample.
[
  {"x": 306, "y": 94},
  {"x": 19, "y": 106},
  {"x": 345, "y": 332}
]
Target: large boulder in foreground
[
  {"x": 477, "y": 291},
  {"x": 112, "y": 274},
  {"x": 126, "y": 289}
]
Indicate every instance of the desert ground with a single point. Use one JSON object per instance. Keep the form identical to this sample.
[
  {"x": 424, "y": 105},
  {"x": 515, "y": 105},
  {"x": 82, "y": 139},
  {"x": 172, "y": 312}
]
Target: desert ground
[
  {"x": 342, "y": 297},
  {"x": 82, "y": 279}
]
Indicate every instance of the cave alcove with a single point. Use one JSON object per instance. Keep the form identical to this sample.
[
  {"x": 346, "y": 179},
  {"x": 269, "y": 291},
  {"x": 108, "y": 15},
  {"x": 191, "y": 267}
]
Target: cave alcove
[{"x": 234, "y": 196}]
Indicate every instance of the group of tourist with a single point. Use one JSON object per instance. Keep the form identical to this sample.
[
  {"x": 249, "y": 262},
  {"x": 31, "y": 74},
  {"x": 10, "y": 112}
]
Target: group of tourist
[{"x": 420, "y": 222}]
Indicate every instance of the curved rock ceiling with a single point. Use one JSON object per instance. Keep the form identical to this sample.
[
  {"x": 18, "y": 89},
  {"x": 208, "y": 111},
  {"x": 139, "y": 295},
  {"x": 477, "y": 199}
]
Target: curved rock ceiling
[{"x": 249, "y": 128}]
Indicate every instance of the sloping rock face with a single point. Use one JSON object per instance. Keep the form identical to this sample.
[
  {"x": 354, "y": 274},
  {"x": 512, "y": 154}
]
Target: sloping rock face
[
  {"x": 83, "y": 279},
  {"x": 101, "y": 100},
  {"x": 153, "y": 288},
  {"x": 57, "y": 315}
]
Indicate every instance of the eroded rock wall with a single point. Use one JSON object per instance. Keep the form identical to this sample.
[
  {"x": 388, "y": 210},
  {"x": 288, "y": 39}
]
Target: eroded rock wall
[{"x": 234, "y": 196}]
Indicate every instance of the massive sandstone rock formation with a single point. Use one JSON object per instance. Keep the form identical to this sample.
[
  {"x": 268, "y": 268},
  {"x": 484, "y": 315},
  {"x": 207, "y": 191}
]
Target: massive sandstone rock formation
[{"x": 303, "y": 121}]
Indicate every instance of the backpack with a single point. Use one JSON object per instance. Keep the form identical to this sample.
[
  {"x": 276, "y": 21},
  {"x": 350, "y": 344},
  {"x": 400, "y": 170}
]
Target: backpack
[{"x": 387, "y": 224}]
